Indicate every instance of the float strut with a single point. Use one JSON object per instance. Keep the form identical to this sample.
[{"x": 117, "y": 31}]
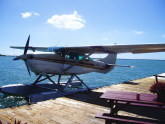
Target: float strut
[
  {"x": 70, "y": 81},
  {"x": 37, "y": 80},
  {"x": 83, "y": 83}
]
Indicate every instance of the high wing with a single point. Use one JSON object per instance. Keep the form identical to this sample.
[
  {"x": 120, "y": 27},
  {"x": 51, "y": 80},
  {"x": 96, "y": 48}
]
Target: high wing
[
  {"x": 134, "y": 48},
  {"x": 30, "y": 48}
]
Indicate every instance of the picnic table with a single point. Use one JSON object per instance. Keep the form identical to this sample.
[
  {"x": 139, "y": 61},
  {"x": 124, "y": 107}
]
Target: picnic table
[{"x": 119, "y": 99}]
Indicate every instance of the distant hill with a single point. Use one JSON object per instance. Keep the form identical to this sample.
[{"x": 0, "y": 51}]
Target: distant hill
[{"x": 2, "y": 55}]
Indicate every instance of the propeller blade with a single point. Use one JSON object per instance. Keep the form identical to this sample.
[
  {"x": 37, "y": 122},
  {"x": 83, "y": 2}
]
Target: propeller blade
[
  {"x": 27, "y": 68},
  {"x": 24, "y": 57},
  {"x": 27, "y": 45}
]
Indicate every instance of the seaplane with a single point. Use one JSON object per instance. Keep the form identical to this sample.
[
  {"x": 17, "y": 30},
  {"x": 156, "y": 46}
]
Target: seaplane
[
  {"x": 47, "y": 62},
  {"x": 58, "y": 61}
]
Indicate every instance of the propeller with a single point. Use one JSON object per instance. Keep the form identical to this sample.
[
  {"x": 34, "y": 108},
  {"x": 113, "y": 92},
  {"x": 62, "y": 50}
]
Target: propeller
[
  {"x": 27, "y": 45},
  {"x": 24, "y": 56},
  {"x": 27, "y": 67}
]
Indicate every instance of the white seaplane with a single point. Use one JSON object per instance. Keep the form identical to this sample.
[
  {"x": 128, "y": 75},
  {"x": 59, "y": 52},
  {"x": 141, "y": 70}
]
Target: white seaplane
[{"x": 52, "y": 61}]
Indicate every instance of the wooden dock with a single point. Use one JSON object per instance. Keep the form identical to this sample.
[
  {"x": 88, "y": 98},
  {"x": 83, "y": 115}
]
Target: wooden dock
[{"x": 79, "y": 108}]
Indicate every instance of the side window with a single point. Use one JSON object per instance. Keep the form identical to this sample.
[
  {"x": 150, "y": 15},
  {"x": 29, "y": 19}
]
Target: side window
[
  {"x": 72, "y": 55},
  {"x": 87, "y": 59},
  {"x": 80, "y": 56},
  {"x": 76, "y": 56},
  {"x": 61, "y": 53}
]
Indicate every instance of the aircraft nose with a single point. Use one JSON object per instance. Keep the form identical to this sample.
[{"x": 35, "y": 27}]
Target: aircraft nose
[{"x": 23, "y": 57}]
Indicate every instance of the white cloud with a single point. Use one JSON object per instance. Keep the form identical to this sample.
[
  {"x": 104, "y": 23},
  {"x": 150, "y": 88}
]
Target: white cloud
[
  {"x": 26, "y": 15},
  {"x": 29, "y": 14},
  {"x": 71, "y": 21},
  {"x": 138, "y": 32},
  {"x": 36, "y": 14}
]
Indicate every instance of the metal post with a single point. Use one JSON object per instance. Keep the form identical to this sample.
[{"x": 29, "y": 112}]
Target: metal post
[{"x": 156, "y": 78}]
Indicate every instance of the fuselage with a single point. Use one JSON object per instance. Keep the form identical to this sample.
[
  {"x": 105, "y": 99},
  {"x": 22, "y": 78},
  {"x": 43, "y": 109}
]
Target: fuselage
[{"x": 64, "y": 64}]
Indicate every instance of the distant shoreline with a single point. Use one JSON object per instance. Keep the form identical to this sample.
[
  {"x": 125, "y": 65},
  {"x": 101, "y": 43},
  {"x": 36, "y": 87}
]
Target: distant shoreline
[
  {"x": 2, "y": 55},
  {"x": 6, "y": 55}
]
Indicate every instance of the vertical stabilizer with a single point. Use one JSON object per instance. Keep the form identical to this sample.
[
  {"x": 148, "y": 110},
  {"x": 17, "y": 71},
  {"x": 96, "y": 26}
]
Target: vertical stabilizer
[{"x": 109, "y": 59}]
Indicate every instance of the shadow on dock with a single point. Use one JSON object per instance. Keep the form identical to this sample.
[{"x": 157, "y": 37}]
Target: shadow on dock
[
  {"x": 131, "y": 83},
  {"x": 141, "y": 112}
]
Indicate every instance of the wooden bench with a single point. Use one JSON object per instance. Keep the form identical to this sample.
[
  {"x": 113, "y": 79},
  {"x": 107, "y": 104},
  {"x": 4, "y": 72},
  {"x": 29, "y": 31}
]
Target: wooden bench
[
  {"x": 117, "y": 100},
  {"x": 144, "y": 105},
  {"x": 125, "y": 119}
]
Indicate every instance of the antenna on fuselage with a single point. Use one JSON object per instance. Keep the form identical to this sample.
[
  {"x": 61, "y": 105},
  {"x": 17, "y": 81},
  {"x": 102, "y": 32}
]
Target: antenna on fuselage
[{"x": 57, "y": 43}]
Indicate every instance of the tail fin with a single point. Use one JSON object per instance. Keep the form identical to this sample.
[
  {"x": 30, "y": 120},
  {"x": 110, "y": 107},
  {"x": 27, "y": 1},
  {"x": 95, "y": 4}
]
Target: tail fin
[{"x": 109, "y": 59}]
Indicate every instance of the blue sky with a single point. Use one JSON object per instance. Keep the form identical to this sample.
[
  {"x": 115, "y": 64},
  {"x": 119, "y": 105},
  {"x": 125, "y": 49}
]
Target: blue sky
[{"x": 82, "y": 22}]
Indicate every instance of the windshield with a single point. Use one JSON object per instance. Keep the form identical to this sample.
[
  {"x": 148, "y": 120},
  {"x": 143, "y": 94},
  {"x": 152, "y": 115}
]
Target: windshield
[
  {"x": 53, "y": 49},
  {"x": 57, "y": 50}
]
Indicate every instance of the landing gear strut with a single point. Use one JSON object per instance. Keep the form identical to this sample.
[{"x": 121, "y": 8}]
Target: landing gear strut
[{"x": 60, "y": 86}]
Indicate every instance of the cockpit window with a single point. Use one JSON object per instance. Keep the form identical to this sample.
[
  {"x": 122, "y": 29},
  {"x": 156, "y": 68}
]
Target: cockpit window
[
  {"x": 76, "y": 56},
  {"x": 69, "y": 55}
]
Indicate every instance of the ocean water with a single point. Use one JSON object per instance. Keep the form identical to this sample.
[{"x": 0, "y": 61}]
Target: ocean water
[{"x": 14, "y": 72}]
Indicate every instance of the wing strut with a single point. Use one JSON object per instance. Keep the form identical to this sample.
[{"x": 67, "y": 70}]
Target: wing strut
[{"x": 59, "y": 86}]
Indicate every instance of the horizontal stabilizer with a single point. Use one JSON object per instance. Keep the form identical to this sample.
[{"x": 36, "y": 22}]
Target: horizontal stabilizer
[{"x": 122, "y": 65}]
